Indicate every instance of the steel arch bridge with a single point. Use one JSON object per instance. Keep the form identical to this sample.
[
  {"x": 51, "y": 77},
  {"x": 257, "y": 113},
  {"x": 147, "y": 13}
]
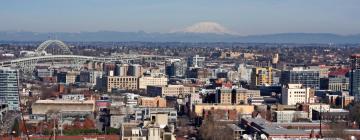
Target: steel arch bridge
[
  {"x": 64, "y": 48},
  {"x": 28, "y": 64}
]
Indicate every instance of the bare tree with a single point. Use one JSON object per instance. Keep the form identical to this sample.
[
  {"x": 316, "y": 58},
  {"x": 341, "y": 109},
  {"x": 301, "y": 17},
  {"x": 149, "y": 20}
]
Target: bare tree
[
  {"x": 336, "y": 130},
  {"x": 214, "y": 130}
]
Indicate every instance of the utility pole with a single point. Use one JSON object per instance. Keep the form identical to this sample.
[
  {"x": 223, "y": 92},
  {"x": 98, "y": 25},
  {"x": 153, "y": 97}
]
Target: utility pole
[
  {"x": 61, "y": 124},
  {"x": 320, "y": 120},
  {"x": 54, "y": 130},
  {"x": 20, "y": 109}
]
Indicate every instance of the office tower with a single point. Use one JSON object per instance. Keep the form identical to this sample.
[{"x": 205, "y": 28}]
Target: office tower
[
  {"x": 196, "y": 61},
  {"x": 9, "y": 88},
  {"x": 176, "y": 68},
  {"x": 261, "y": 76},
  {"x": 296, "y": 93},
  {"x": 355, "y": 76},
  {"x": 299, "y": 75}
]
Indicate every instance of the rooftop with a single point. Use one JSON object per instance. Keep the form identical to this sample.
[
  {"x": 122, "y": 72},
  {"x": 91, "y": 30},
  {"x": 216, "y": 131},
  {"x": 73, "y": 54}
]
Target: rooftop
[
  {"x": 234, "y": 127},
  {"x": 332, "y": 110},
  {"x": 65, "y": 102},
  {"x": 274, "y": 128}
]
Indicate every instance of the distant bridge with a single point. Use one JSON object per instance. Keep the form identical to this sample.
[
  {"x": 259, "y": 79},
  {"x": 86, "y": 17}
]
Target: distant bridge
[
  {"x": 64, "y": 48},
  {"x": 27, "y": 64}
]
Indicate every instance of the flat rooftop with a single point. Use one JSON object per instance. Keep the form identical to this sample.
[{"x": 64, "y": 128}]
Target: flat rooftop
[
  {"x": 274, "y": 128},
  {"x": 65, "y": 102},
  {"x": 332, "y": 110}
]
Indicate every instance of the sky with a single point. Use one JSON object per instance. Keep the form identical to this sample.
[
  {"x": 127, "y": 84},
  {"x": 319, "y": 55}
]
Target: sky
[{"x": 246, "y": 17}]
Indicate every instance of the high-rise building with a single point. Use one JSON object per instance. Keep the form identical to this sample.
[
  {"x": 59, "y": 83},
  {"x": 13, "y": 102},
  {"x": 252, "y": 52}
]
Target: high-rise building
[
  {"x": 296, "y": 93},
  {"x": 261, "y": 76},
  {"x": 355, "y": 76},
  {"x": 196, "y": 61},
  {"x": 9, "y": 88},
  {"x": 176, "y": 68},
  {"x": 308, "y": 77}
]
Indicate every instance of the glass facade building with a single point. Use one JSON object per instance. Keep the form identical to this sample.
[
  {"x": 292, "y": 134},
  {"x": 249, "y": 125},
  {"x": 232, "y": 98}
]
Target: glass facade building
[
  {"x": 307, "y": 77},
  {"x": 9, "y": 88}
]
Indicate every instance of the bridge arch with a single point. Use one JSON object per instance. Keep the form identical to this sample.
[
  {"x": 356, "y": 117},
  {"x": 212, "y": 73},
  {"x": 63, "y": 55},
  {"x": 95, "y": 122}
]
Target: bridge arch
[{"x": 64, "y": 48}]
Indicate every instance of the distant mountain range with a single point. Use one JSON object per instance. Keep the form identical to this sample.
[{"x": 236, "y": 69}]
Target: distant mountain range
[{"x": 107, "y": 36}]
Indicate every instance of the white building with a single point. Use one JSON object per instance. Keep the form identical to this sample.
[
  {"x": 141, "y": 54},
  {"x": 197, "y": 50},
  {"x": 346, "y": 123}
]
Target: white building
[
  {"x": 245, "y": 72},
  {"x": 295, "y": 93},
  {"x": 317, "y": 107},
  {"x": 290, "y": 115},
  {"x": 131, "y": 99}
]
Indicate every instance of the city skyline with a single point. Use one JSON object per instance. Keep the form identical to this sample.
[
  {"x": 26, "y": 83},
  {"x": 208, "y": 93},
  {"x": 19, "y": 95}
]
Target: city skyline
[
  {"x": 238, "y": 17},
  {"x": 176, "y": 70}
]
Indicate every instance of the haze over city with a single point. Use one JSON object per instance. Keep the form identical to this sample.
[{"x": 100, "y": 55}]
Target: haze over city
[{"x": 180, "y": 70}]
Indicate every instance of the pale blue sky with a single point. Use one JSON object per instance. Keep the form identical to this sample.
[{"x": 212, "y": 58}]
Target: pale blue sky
[{"x": 243, "y": 16}]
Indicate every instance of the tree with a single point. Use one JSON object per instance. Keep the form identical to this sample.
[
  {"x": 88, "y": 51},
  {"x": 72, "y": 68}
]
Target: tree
[
  {"x": 355, "y": 113},
  {"x": 337, "y": 130},
  {"x": 210, "y": 130},
  {"x": 88, "y": 124}
]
